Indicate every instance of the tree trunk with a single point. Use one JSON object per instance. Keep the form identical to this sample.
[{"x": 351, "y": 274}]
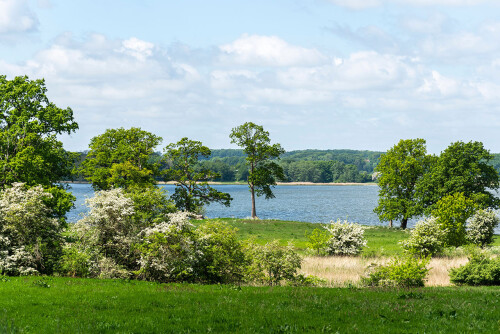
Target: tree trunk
[
  {"x": 390, "y": 223},
  {"x": 404, "y": 222},
  {"x": 254, "y": 212}
]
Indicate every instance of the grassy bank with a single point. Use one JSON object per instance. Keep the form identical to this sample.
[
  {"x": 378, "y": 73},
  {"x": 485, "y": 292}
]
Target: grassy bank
[
  {"x": 382, "y": 241},
  {"x": 64, "y": 305}
]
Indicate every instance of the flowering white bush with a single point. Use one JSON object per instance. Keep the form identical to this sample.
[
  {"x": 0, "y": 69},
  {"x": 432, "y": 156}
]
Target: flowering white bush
[
  {"x": 168, "y": 251},
  {"x": 30, "y": 237},
  {"x": 108, "y": 228},
  {"x": 346, "y": 238},
  {"x": 426, "y": 239},
  {"x": 481, "y": 227}
]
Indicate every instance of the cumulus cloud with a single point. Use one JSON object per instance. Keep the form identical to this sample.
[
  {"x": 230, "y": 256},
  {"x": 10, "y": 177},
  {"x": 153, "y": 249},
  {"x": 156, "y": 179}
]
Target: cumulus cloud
[
  {"x": 16, "y": 17},
  {"x": 255, "y": 50}
]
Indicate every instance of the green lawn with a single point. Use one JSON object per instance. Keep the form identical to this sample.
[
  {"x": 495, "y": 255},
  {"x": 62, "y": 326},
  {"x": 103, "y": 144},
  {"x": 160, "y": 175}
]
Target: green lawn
[
  {"x": 382, "y": 241},
  {"x": 65, "y": 305}
]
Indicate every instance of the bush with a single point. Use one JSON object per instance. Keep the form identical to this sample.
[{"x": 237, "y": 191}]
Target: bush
[
  {"x": 221, "y": 258},
  {"x": 401, "y": 272},
  {"x": 31, "y": 239},
  {"x": 318, "y": 240},
  {"x": 345, "y": 238},
  {"x": 276, "y": 262},
  {"x": 452, "y": 212},
  {"x": 426, "y": 239},
  {"x": 168, "y": 252},
  {"x": 109, "y": 229},
  {"x": 481, "y": 227},
  {"x": 480, "y": 270}
]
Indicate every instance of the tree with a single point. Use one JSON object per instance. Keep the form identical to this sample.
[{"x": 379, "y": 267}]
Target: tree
[
  {"x": 263, "y": 172},
  {"x": 401, "y": 169},
  {"x": 121, "y": 158},
  {"x": 461, "y": 168},
  {"x": 192, "y": 190},
  {"x": 29, "y": 149}
]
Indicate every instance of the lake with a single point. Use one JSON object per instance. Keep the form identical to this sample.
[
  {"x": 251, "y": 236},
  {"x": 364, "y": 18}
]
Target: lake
[{"x": 317, "y": 204}]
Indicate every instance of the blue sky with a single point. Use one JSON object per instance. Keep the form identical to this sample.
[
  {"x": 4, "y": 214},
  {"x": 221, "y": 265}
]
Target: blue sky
[{"x": 324, "y": 74}]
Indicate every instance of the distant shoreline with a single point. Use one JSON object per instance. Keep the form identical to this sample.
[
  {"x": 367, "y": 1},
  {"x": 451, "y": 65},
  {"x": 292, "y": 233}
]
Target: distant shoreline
[{"x": 278, "y": 183}]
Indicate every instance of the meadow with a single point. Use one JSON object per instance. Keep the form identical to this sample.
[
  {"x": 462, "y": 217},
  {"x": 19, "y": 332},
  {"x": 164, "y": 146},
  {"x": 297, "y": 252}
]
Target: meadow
[{"x": 38, "y": 304}]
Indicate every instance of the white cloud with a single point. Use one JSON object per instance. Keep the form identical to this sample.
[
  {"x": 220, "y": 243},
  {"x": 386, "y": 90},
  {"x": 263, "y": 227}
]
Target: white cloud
[
  {"x": 254, "y": 50},
  {"x": 137, "y": 48},
  {"x": 16, "y": 17}
]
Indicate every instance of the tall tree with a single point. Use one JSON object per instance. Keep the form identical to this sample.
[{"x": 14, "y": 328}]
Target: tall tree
[
  {"x": 121, "y": 158},
  {"x": 461, "y": 168},
  {"x": 192, "y": 190},
  {"x": 29, "y": 149},
  {"x": 401, "y": 168},
  {"x": 263, "y": 171}
]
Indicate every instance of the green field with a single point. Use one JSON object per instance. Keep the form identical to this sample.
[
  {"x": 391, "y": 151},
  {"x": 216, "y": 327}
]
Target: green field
[
  {"x": 382, "y": 241},
  {"x": 68, "y": 305},
  {"x": 64, "y": 305}
]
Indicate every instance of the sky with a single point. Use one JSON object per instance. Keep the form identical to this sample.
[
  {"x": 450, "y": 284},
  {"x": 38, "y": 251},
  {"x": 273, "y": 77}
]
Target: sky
[{"x": 317, "y": 74}]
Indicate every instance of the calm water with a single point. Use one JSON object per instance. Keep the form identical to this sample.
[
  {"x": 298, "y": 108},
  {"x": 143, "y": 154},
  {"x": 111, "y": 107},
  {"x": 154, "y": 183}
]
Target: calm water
[
  {"x": 300, "y": 203},
  {"x": 316, "y": 204}
]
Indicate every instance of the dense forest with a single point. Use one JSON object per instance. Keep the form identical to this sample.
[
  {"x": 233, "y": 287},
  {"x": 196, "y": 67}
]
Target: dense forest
[{"x": 320, "y": 166}]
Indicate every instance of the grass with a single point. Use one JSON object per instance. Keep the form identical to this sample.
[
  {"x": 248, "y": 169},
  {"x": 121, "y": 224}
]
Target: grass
[{"x": 64, "y": 305}]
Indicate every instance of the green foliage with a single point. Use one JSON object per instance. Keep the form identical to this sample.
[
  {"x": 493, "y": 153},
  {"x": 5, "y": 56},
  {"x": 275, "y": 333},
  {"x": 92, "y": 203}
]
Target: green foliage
[
  {"x": 401, "y": 168},
  {"x": 452, "y": 212},
  {"x": 121, "y": 158},
  {"x": 29, "y": 149},
  {"x": 318, "y": 240},
  {"x": 461, "y": 168},
  {"x": 192, "y": 191},
  {"x": 222, "y": 258},
  {"x": 426, "y": 239},
  {"x": 480, "y": 270},
  {"x": 276, "y": 262},
  {"x": 75, "y": 262},
  {"x": 263, "y": 171},
  {"x": 481, "y": 227},
  {"x": 151, "y": 205},
  {"x": 30, "y": 238},
  {"x": 168, "y": 251},
  {"x": 401, "y": 272}
]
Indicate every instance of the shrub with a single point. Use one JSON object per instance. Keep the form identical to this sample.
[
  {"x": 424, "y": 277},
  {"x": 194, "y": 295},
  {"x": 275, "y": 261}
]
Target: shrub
[
  {"x": 31, "y": 239},
  {"x": 426, "y": 239},
  {"x": 167, "y": 252},
  {"x": 481, "y": 227},
  {"x": 318, "y": 240},
  {"x": 452, "y": 212},
  {"x": 74, "y": 262},
  {"x": 151, "y": 205},
  {"x": 109, "y": 228},
  {"x": 276, "y": 262},
  {"x": 480, "y": 270},
  {"x": 345, "y": 238},
  {"x": 220, "y": 254},
  {"x": 401, "y": 272}
]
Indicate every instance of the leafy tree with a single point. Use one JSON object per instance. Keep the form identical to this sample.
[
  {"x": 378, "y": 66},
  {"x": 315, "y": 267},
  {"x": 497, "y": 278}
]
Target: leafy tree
[
  {"x": 192, "y": 190},
  {"x": 452, "y": 212},
  {"x": 461, "y": 168},
  {"x": 401, "y": 169},
  {"x": 263, "y": 172},
  {"x": 29, "y": 149},
  {"x": 121, "y": 158}
]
